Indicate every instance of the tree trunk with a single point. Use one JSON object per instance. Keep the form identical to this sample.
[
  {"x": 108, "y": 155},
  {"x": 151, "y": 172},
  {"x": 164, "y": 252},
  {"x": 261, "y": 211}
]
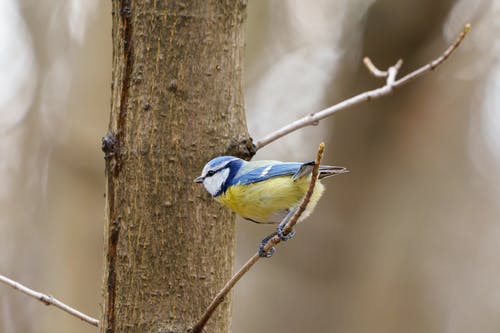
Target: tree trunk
[{"x": 176, "y": 102}]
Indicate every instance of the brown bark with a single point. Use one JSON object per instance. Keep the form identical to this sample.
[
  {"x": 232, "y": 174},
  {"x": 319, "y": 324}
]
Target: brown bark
[{"x": 176, "y": 102}]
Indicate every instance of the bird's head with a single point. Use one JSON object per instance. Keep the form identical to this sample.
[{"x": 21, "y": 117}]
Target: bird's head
[{"x": 218, "y": 172}]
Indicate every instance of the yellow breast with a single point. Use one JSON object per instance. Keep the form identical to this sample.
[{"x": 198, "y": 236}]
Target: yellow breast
[{"x": 269, "y": 200}]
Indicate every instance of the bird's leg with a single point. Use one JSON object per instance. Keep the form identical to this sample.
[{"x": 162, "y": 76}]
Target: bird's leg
[
  {"x": 279, "y": 230},
  {"x": 262, "y": 252}
]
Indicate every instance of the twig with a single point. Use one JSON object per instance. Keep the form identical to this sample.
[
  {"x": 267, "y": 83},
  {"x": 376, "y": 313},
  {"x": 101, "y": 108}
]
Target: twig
[
  {"x": 270, "y": 243},
  {"x": 49, "y": 300},
  {"x": 373, "y": 69},
  {"x": 315, "y": 172},
  {"x": 391, "y": 83}
]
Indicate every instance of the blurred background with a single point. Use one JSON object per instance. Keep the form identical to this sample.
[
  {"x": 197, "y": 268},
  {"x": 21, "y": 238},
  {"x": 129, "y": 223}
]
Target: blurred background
[{"x": 408, "y": 241}]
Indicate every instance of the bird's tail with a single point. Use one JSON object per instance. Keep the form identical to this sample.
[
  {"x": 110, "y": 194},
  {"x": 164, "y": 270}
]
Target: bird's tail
[
  {"x": 324, "y": 170},
  {"x": 328, "y": 171}
]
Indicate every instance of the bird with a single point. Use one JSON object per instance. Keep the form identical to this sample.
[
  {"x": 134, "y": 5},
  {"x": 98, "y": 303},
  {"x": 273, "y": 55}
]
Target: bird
[{"x": 264, "y": 191}]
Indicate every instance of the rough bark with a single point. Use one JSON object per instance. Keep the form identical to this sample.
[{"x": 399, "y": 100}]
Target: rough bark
[{"x": 176, "y": 102}]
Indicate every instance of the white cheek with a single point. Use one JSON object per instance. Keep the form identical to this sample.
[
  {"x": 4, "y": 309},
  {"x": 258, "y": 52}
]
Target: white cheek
[{"x": 213, "y": 184}]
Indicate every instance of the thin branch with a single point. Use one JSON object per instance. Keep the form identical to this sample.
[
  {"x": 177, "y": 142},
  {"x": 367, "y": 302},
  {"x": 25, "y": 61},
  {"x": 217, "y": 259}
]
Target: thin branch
[
  {"x": 391, "y": 83},
  {"x": 373, "y": 69},
  {"x": 315, "y": 172},
  {"x": 270, "y": 243},
  {"x": 433, "y": 64},
  {"x": 392, "y": 72},
  {"x": 49, "y": 300}
]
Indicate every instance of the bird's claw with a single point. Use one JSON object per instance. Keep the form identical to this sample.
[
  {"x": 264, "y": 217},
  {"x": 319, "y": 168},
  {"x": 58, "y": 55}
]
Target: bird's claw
[
  {"x": 282, "y": 236},
  {"x": 269, "y": 253},
  {"x": 266, "y": 254}
]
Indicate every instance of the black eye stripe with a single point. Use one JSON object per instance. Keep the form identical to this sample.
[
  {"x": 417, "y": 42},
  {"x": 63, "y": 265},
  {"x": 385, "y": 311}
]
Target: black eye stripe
[{"x": 210, "y": 173}]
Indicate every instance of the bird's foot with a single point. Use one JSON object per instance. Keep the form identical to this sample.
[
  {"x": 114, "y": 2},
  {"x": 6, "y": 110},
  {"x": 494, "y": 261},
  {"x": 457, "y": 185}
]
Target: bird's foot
[
  {"x": 269, "y": 253},
  {"x": 282, "y": 236},
  {"x": 281, "y": 226}
]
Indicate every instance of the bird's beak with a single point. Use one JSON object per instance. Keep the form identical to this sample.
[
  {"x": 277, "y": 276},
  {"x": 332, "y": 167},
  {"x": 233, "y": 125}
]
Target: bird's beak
[{"x": 198, "y": 179}]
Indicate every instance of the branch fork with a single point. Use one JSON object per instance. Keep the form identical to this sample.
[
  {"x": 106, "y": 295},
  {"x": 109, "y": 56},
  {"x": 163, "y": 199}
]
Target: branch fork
[{"x": 391, "y": 83}]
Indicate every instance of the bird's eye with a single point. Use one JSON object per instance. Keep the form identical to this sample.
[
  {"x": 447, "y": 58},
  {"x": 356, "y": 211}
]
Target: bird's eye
[{"x": 210, "y": 173}]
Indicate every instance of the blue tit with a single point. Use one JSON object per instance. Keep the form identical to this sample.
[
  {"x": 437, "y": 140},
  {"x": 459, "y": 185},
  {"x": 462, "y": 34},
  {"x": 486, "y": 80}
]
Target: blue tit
[{"x": 263, "y": 191}]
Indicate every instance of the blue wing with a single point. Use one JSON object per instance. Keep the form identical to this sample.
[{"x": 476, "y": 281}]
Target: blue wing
[{"x": 264, "y": 172}]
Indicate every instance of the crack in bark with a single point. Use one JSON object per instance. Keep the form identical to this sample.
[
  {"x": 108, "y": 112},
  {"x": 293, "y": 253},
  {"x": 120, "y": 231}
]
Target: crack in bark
[{"x": 112, "y": 146}]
